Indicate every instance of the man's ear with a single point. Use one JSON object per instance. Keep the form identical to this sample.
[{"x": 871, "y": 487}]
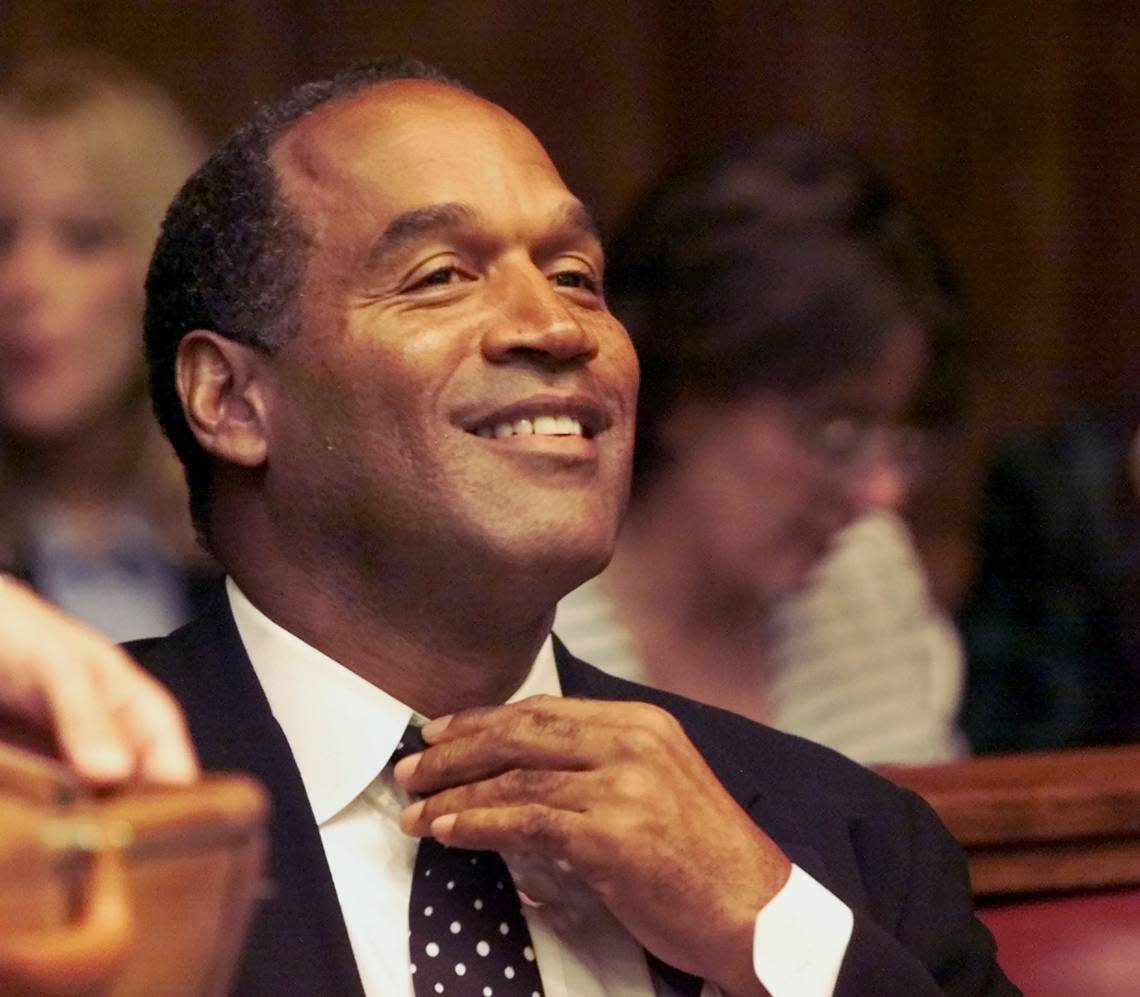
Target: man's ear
[{"x": 219, "y": 382}]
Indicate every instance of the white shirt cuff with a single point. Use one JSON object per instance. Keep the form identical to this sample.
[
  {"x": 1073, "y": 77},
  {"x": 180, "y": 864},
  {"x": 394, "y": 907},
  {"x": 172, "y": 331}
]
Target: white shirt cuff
[{"x": 801, "y": 938}]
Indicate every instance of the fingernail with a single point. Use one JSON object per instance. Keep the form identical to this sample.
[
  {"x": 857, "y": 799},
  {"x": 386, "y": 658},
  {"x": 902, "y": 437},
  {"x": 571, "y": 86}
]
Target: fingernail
[
  {"x": 435, "y": 727},
  {"x": 442, "y": 825},
  {"x": 410, "y": 816},
  {"x": 405, "y": 767}
]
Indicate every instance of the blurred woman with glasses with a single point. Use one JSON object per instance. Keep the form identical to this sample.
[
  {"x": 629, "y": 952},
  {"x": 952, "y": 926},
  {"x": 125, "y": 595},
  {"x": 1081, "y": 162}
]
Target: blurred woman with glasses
[
  {"x": 787, "y": 316},
  {"x": 92, "y": 504}
]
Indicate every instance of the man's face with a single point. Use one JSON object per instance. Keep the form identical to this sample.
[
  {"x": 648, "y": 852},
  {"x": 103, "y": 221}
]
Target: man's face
[{"x": 458, "y": 395}]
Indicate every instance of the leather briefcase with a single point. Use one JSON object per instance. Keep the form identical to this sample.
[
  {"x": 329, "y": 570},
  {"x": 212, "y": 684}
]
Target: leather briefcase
[{"x": 144, "y": 891}]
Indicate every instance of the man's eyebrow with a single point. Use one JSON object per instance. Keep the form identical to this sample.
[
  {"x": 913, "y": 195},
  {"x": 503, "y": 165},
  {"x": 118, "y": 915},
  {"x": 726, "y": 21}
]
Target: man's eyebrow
[
  {"x": 415, "y": 224},
  {"x": 577, "y": 215},
  {"x": 411, "y": 225}
]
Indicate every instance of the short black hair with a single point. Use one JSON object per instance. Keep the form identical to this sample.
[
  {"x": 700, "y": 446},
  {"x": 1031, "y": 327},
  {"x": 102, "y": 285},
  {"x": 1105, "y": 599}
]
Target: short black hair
[
  {"x": 231, "y": 254},
  {"x": 770, "y": 265}
]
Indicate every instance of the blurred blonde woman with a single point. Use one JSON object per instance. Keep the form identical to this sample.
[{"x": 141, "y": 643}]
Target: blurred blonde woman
[{"x": 92, "y": 504}]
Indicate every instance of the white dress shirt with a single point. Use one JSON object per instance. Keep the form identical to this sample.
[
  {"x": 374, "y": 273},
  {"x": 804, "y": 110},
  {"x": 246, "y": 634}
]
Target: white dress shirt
[{"x": 342, "y": 731}]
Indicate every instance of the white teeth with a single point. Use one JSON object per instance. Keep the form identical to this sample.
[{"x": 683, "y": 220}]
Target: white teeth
[{"x": 542, "y": 425}]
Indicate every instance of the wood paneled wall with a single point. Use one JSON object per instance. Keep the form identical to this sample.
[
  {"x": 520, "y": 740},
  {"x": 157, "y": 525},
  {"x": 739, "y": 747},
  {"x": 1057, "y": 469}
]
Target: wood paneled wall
[{"x": 1014, "y": 128}]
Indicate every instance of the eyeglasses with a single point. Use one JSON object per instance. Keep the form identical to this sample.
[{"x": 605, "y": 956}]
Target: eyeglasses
[{"x": 856, "y": 448}]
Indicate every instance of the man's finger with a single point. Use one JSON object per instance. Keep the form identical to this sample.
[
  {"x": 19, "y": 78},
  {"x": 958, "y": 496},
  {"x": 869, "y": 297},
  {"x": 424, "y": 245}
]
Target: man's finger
[
  {"x": 485, "y": 754},
  {"x": 560, "y": 790},
  {"x": 530, "y": 829},
  {"x": 541, "y": 732},
  {"x": 551, "y": 715}
]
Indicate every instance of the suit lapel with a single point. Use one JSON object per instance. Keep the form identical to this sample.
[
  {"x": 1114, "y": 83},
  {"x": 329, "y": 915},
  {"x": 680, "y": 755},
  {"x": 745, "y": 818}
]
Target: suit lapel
[{"x": 298, "y": 943}]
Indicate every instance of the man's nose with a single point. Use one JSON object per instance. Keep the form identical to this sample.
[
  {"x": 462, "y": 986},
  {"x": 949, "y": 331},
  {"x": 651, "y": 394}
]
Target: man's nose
[{"x": 538, "y": 323}]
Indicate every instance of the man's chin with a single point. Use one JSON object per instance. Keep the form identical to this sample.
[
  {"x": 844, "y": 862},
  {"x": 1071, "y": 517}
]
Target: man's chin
[{"x": 556, "y": 561}]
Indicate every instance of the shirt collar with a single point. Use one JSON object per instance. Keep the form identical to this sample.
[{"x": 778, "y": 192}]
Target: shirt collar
[{"x": 341, "y": 728}]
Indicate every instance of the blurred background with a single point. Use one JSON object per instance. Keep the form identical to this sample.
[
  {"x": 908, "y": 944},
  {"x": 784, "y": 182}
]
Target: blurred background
[{"x": 1012, "y": 128}]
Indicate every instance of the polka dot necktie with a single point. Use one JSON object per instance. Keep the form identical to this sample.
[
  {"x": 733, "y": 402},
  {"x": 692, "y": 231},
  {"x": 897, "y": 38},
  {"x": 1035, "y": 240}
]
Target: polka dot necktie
[{"x": 466, "y": 928}]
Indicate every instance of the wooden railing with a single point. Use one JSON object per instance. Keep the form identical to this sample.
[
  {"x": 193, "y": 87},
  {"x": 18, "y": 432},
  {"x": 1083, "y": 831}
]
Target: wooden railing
[
  {"x": 1053, "y": 845},
  {"x": 1039, "y": 823}
]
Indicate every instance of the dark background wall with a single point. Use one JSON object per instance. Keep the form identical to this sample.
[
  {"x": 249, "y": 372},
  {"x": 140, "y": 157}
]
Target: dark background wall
[{"x": 1013, "y": 127}]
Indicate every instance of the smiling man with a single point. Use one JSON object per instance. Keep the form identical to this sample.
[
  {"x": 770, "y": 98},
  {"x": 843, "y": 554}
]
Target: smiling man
[{"x": 379, "y": 344}]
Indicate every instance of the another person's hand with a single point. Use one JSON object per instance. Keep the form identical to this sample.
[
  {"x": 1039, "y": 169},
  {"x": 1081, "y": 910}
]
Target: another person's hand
[
  {"x": 110, "y": 719},
  {"x": 617, "y": 793}
]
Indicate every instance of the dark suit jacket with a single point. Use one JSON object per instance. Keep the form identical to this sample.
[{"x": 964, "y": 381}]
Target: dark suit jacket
[{"x": 877, "y": 847}]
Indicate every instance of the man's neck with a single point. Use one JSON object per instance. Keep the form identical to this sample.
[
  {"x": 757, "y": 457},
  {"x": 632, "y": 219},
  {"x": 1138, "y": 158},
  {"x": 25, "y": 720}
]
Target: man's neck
[{"x": 436, "y": 657}]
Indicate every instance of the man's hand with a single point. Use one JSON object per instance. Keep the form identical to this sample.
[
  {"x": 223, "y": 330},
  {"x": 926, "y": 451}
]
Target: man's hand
[
  {"x": 111, "y": 720},
  {"x": 618, "y": 793}
]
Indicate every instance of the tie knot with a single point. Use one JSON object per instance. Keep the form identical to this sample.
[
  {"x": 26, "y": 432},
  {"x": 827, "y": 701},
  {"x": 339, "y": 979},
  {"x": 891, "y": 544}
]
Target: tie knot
[{"x": 411, "y": 742}]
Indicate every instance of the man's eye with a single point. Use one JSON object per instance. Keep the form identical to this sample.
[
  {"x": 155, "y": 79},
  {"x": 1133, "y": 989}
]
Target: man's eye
[
  {"x": 443, "y": 275},
  {"x": 575, "y": 278}
]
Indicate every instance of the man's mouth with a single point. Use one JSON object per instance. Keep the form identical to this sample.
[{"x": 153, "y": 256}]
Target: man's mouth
[
  {"x": 547, "y": 416},
  {"x": 542, "y": 425}
]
